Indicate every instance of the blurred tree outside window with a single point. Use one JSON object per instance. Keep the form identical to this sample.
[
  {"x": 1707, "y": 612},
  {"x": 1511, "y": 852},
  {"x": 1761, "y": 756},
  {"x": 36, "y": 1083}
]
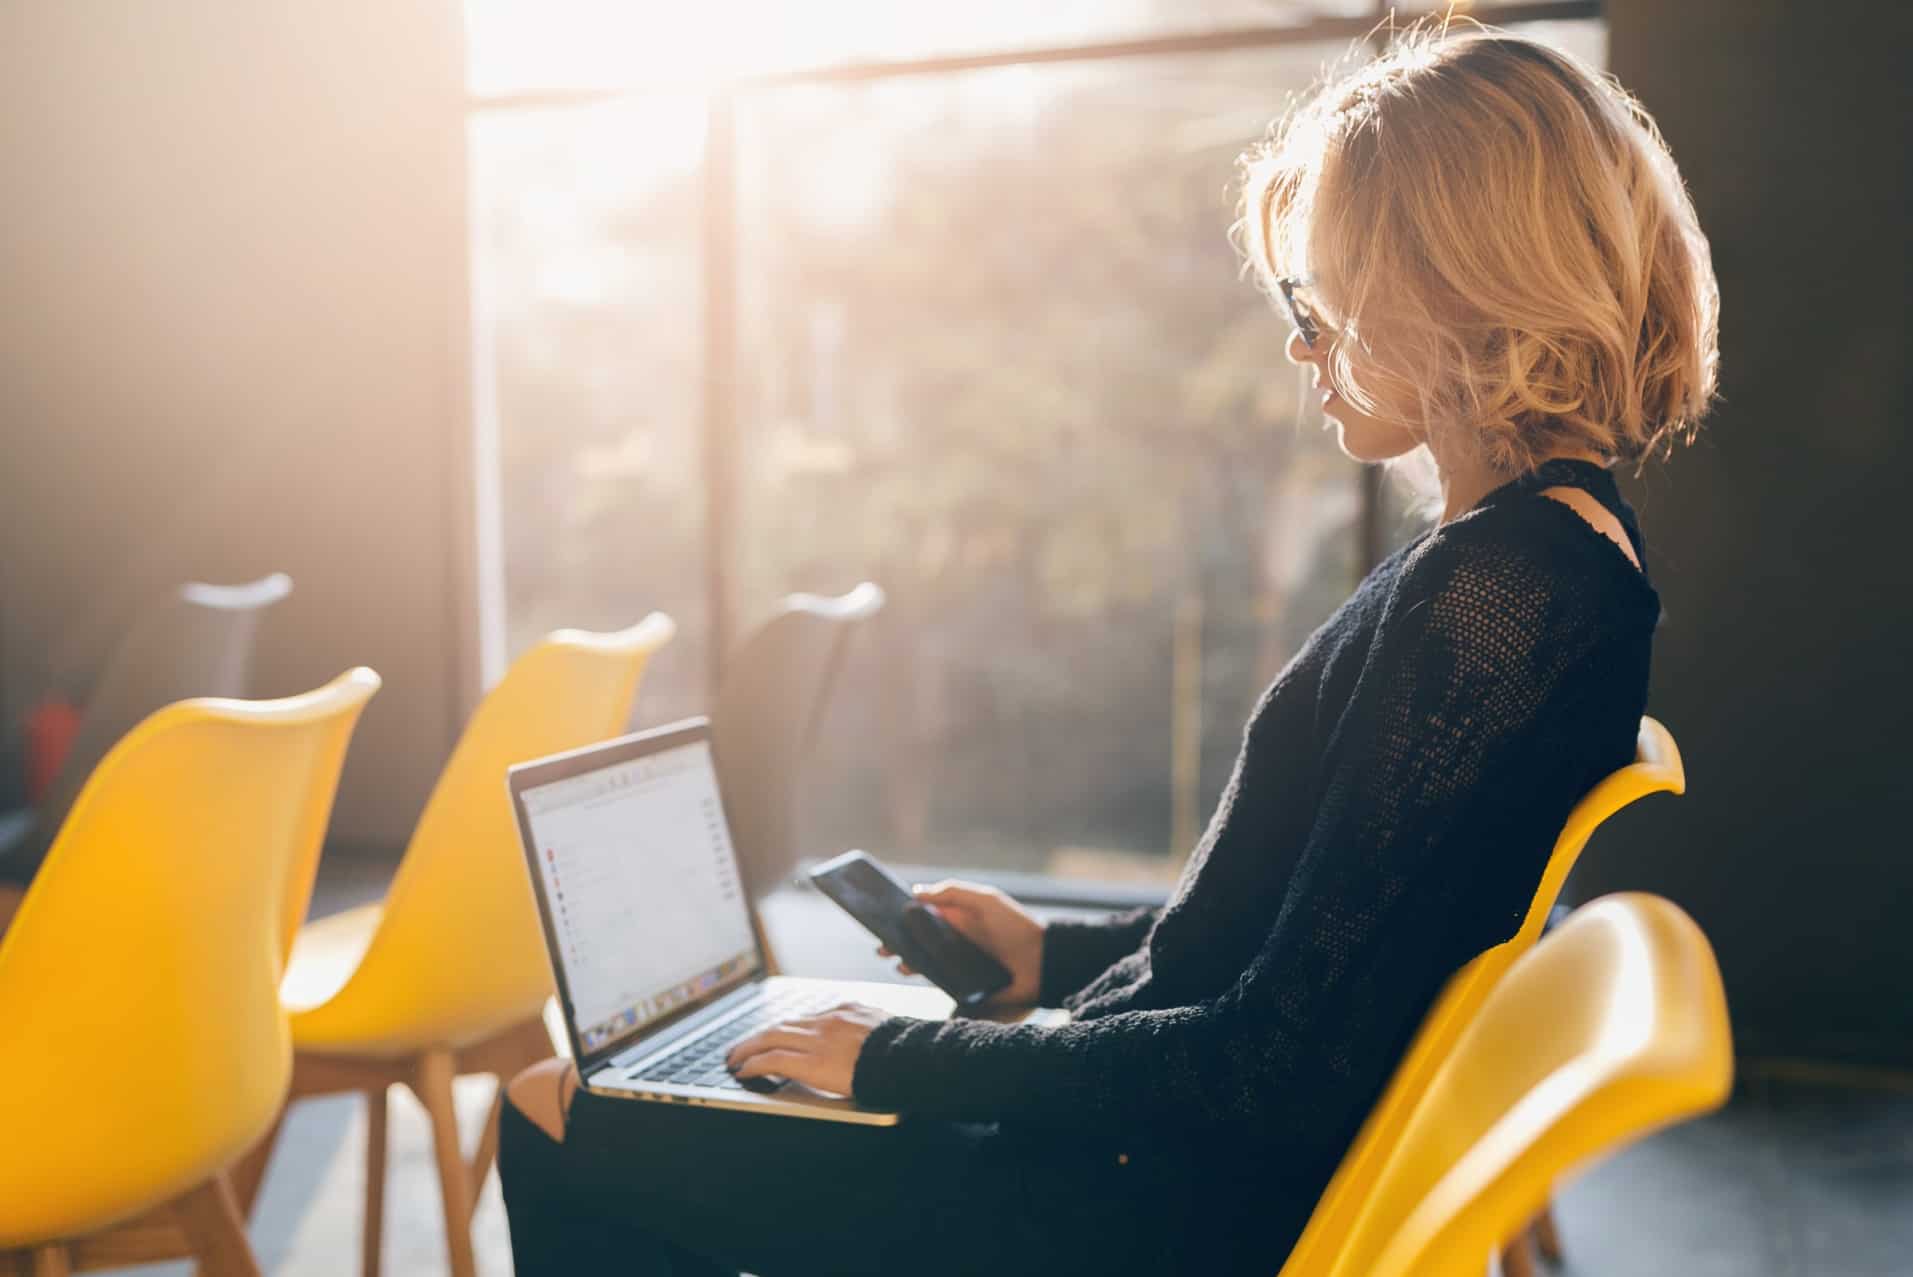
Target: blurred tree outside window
[
  {"x": 996, "y": 352},
  {"x": 586, "y": 239}
]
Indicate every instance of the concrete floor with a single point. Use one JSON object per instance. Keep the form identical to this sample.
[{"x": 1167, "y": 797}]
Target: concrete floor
[{"x": 1795, "y": 1178}]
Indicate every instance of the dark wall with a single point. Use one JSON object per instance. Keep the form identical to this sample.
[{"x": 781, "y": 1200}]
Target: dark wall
[
  {"x": 1780, "y": 540},
  {"x": 233, "y": 339}
]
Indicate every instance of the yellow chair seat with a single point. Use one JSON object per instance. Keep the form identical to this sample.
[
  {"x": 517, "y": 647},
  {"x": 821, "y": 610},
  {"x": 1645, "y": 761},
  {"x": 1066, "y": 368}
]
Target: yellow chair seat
[
  {"x": 346, "y": 997},
  {"x": 455, "y": 954},
  {"x": 1612, "y": 1027},
  {"x": 157, "y": 924},
  {"x": 324, "y": 956},
  {"x": 447, "y": 975},
  {"x": 1656, "y": 769}
]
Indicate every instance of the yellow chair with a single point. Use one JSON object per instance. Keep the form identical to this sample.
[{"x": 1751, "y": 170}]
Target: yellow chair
[
  {"x": 1656, "y": 769},
  {"x": 143, "y": 1045},
  {"x": 1613, "y": 1026},
  {"x": 448, "y": 975}
]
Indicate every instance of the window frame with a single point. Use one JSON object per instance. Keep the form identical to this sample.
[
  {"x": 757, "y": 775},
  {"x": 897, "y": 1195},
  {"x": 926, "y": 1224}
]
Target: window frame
[{"x": 719, "y": 426}]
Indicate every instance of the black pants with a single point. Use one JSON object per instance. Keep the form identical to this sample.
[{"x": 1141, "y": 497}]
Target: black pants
[{"x": 644, "y": 1188}]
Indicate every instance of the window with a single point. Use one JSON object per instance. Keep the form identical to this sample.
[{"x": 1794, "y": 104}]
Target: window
[
  {"x": 993, "y": 351},
  {"x": 998, "y": 356},
  {"x": 586, "y": 273}
]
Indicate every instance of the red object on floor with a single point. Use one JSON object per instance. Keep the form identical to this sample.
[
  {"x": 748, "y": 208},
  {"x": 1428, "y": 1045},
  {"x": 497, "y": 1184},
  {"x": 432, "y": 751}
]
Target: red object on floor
[{"x": 51, "y": 727}]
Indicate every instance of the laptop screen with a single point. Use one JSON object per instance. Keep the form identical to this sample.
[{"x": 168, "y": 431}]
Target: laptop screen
[{"x": 641, "y": 890}]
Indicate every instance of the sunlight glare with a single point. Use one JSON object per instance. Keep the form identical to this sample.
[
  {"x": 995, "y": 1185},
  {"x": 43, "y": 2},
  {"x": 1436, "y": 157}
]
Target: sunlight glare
[{"x": 518, "y": 46}]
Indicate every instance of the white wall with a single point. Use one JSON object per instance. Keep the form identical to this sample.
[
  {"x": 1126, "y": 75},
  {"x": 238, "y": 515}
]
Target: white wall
[{"x": 232, "y": 340}]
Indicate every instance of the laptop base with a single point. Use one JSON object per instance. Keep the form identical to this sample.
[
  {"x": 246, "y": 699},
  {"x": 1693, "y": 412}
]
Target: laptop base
[{"x": 792, "y": 1099}]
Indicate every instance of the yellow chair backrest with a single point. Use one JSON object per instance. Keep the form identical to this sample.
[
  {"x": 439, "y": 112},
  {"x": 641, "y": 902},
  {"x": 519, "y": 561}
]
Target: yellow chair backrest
[
  {"x": 1656, "y": 769},
  {"x": 1613, "y": 1026},
  {"x": 315, "y": 817},
  {"x": 459, "y": 952},
  {"x": 142, "y": 1043}
]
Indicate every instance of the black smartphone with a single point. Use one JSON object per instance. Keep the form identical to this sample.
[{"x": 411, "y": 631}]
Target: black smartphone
[{"x": 914, "y": 932}]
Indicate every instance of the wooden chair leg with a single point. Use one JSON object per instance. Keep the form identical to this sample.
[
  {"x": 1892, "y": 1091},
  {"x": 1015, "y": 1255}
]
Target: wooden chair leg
[
  {"x": 504, "y": 1056},
  {"x": 1517, "y": 1257},
  {"x": 433, "y": 1083},
  {"x": 210, "y": 1217},
  {"x": 51, "y": 1261},
  {"x": 249, "y": 1175},
  {"x": 373, "y": 1238},
  {"x": 481, "y": 1167},
  {"x": 1547, "y": 1236}
]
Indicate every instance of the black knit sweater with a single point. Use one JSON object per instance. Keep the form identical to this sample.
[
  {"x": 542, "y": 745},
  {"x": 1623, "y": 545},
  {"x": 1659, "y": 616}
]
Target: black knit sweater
[{"x": 1398, "y": 790}]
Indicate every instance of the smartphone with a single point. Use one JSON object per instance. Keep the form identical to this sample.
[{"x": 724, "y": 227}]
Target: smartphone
[{"x": 914, "y": 932}]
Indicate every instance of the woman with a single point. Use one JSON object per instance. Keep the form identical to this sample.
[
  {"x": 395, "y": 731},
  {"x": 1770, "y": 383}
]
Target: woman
[{"x": 1489, "y": 262}]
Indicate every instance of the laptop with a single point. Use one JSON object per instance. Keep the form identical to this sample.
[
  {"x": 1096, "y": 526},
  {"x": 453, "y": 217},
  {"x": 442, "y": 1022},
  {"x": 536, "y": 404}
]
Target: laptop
[{"x": 658, "y": 967}]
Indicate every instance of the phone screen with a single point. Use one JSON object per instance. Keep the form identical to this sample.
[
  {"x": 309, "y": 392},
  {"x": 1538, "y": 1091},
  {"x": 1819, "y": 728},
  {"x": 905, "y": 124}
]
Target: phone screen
[{"x": 915, "y": 933}]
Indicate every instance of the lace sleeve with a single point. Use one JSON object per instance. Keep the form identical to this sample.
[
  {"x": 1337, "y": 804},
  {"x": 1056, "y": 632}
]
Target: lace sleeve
[
  {"x": 1076, "y": 951},
  {"x": 1421, "y": 854}
]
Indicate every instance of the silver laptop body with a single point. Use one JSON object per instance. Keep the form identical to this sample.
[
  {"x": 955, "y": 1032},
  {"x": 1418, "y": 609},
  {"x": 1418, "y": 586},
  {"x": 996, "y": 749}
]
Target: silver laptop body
[{"x": 657, "y": 964}]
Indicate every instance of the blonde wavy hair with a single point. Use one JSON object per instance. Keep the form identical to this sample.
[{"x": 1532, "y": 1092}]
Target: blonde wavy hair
[{"x": 1500, "y": 245}]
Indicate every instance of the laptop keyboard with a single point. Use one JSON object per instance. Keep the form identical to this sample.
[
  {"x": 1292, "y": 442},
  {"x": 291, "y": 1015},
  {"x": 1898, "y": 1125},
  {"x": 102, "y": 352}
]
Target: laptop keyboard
[{"x": 700, "y": 1062}]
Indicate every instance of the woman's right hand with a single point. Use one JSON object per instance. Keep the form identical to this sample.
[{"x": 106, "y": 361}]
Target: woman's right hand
[{"x": 997, "y": 925}]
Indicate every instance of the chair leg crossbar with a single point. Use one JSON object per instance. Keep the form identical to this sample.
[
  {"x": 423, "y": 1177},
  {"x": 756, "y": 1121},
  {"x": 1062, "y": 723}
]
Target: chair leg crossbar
[
  {"x": 429, "y": 1076},
  {"x": 203, "y": 1224}
]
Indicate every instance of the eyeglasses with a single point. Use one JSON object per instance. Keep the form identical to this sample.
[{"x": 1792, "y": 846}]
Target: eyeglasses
[{"x": 1299, "y": 313}]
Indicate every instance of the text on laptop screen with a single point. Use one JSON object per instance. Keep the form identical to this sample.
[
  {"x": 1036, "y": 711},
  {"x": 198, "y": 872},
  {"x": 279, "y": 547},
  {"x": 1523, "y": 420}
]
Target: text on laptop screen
[{"x": 642, "y": 887}]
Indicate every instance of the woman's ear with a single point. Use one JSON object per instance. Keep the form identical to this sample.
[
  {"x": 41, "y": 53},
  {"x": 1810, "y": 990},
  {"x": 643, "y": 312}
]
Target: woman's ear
[{"x": 1298, "y": 350}]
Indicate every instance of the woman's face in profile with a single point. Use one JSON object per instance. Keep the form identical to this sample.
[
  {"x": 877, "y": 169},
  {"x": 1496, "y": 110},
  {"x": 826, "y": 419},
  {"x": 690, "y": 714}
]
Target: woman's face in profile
[{"x": 1361, "y": 436}]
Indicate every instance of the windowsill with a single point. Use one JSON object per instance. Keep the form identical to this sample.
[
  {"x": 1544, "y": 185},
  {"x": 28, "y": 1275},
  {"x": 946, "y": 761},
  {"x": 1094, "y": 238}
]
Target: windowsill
[{"x": 1031, "y": 888}]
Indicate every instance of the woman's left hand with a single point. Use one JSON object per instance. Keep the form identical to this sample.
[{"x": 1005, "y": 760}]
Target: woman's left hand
[{"x": 819, "y": 1050}]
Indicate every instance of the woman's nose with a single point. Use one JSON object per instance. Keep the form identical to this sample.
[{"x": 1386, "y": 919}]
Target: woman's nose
[{"x": 1298, "y": 350}]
